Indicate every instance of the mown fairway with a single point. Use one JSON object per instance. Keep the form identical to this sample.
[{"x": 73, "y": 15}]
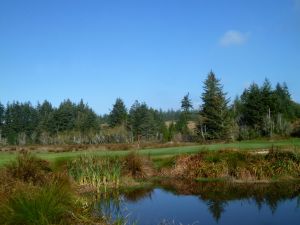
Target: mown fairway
[{"x": 6, "y": 157}]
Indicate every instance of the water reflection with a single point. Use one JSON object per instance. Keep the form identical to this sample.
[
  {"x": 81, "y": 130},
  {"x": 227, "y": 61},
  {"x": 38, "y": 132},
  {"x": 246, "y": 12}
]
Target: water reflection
[
  {"x": 138, "y": 194},
  {"x": 184, "y": 200}
]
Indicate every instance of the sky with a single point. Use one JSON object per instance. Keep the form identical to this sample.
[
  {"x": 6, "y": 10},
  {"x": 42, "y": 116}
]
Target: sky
[{"x": 154, "y": 51}]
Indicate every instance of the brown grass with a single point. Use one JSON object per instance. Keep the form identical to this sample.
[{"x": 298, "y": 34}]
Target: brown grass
[
  {"x": 138, "y": 166},
  {"x": 84, "y": 147},
  {"x": 237, "y": 165},
  {"x": 31, "y": 193}
]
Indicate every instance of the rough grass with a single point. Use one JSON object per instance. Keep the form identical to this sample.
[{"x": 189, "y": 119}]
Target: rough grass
[
  {"x": 49, "y": 204},
  {"x": 134, "y": 164},
  {"x": 99, "y": 172},
  {"x": 6, "y": 157},
  {"x": 28, "y": 168},
  {"x": 238, "y": 165},
  {"x": 31, "y": 193}
]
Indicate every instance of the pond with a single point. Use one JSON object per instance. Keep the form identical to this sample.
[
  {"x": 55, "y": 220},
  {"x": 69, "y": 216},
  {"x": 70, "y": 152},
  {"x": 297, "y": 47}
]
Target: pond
[{"x": 206, "y": 203}]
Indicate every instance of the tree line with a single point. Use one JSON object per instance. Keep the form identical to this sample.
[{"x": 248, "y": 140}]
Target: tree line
[{"x": 260, "y": 111}]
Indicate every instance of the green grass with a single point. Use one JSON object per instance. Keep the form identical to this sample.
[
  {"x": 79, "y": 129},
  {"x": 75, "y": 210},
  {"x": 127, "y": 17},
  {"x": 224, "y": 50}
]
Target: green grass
[
  {"x": 161, "y": 152},
  {"x": 95, "y": 171},
  {"x": 46, "y": 205}
]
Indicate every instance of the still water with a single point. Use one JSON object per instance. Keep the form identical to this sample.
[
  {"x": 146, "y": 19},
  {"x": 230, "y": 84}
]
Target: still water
[{"x": 209, "y": 204}]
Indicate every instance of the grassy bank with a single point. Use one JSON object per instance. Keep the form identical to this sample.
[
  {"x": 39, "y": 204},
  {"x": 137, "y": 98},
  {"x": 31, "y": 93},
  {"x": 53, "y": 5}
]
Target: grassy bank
[
  {"x": 237, "y": 166},
  {"x": 31, "y": 193},
  {"x": 6, "y": 157},
  {"x": 35, "y": 191}
]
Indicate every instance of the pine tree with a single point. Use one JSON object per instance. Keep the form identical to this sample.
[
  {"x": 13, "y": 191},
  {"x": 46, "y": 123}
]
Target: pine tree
[
  {"x": 64, "y": 116},
  {"x": 45, "y": 115},
  {"x": 265, "y": 111},
  {"x": 86, "y": 118},
  {"x": 144, "y": 122},
  {"x": 21, "y": 121},
  {"x": 171, "y": 131},
  {"x": 214, "y": 111},
  {"x": 2, "y": 111},
  {"x": 185, "y": 115},
  {"x": 118, "y": 115},
  {"x": 283, "y": 102},
  {"x": 251, "y": 107},
  {"x": 186, "y": 104}
]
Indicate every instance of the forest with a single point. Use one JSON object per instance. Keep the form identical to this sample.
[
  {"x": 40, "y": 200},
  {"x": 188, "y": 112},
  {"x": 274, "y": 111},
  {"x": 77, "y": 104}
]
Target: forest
[{"x": 260, "y": 111}]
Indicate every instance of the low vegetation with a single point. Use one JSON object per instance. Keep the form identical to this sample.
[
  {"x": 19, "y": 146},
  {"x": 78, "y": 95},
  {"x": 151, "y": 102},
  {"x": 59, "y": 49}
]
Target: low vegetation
[
  {"x": 238, "y": 165},
  {"x": 32, "y": 194},
  {"x": 96, "y": 171},
  {"x": 36, "y": 191}
]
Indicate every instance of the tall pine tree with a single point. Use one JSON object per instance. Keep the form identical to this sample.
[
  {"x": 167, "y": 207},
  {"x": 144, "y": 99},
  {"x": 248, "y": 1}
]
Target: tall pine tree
[
  {"x": 118, "y": 115},
  {"x": 215, "y": 122}
]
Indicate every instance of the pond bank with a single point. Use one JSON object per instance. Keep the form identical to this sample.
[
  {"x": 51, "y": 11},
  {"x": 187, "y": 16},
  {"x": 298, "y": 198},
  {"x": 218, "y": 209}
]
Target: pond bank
[{"x": 35, "y": 184}]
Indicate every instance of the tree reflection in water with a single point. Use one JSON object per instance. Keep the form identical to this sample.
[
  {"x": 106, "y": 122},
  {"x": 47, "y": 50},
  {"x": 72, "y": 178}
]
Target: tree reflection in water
[{"x": 216, "y": 195}]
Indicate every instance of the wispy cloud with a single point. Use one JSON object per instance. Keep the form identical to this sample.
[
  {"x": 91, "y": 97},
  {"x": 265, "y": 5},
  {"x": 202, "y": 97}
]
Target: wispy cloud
[{"x": 233, "y": 37}]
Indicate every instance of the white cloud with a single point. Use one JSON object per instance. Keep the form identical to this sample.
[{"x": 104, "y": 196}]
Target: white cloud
[{"x": 233, "y": 37}]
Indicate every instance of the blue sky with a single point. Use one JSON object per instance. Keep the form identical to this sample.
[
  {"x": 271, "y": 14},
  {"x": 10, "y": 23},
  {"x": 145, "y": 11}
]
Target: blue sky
[{"x": 150, "y": 50}]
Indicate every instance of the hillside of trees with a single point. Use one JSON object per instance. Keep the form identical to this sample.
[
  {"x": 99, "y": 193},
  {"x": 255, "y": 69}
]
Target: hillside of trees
[{"x": 260, "y": 111}]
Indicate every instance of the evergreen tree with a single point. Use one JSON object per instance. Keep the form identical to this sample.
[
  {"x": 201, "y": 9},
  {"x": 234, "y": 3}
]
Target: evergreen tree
[
  {"x": 236, "y": 109},
  {"x": 64, "y": 116},
  {"x": 86, "y": 118},
  {"x": 185, "y": 116},
  {"x": 251, "y": 108},
  {"x": 45, "y": 115},
  {"x": 118, "y": 115},
  {"x": 296, "y": 109},
  {"x": 144, "y": 122},
  {"x": 29, "y": 121},
  {"x": 283, "y": 102},
  {"x": 170, "y": 115},
  {"x": 186, "y": 104},
  {"x": 2, "y": 112},
  {"x": 214, "y": 111},
  {"x": 265, "y": 111},
  {"x": 21, "y": 121},
  {"x": 171, "y": 131}
]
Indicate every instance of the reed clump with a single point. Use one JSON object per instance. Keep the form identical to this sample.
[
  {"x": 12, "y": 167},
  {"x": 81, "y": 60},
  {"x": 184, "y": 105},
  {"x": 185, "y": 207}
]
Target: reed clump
[{"x": 99, "y": 172}]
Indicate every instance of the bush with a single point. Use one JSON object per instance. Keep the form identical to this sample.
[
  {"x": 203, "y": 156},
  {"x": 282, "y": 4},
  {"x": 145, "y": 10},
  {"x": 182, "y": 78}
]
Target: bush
[
  {"x": 28, "y": 168},
  {"x": 133, "y": 163}
]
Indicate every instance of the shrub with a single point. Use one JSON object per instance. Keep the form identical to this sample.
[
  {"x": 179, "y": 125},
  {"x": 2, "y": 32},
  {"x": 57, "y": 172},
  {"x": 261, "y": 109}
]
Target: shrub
[
  {"x": 29, "y": 169},
  {"x": 133, "y": 163}
]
